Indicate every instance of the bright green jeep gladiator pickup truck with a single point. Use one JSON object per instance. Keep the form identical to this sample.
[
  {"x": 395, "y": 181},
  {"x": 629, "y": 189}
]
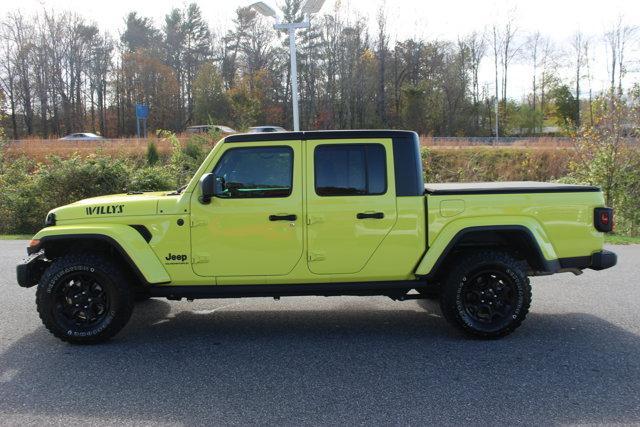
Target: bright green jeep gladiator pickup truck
[{"x": 314, "y": 213}]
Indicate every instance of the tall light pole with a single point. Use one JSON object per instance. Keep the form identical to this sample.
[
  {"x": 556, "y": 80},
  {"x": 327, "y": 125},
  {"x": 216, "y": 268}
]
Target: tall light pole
[
  {"x": 292, "y": 27},
  {"x": 308, "y": 8}
]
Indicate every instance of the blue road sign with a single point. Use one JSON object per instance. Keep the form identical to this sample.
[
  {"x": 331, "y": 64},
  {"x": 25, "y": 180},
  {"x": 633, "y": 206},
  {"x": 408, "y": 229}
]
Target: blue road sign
[{"x": 142, "y": 111}]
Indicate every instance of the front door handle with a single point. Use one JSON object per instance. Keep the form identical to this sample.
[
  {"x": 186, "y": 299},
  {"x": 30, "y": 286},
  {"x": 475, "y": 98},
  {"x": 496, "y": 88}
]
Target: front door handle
[
  {"x": 374, "y": 215},
  {"x": 282, "y": 217}
]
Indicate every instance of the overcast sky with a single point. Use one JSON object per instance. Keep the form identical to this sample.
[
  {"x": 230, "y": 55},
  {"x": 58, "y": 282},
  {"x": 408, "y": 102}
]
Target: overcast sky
[{"x": 442, "y": 19}]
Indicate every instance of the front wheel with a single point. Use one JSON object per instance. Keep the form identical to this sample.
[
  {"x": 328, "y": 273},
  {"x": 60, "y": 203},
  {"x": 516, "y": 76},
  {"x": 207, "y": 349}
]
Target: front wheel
[
  {"x": 486, "y": 295},
  {"x": 84, "y": 299}
]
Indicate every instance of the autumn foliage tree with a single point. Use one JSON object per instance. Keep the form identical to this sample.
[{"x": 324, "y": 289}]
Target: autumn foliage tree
[
  {"x": 60, "y": 74},
  {"x": 143, "y": 79},
  {"x": 211, "y": 101}
]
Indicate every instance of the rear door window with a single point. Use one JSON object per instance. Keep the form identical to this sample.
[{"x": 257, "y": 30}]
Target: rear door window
[{"x": 350, "y": 170}]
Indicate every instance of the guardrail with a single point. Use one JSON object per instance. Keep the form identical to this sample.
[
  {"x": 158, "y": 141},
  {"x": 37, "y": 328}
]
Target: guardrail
[
  {"x": 510, "y": 141},
  {"x": 491, "y": 141}
]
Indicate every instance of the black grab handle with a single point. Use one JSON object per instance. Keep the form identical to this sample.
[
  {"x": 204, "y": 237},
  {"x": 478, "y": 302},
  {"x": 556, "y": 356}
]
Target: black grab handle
[
  {"x": 375, "y": 215},
  {"x": 282, "y": 217}
]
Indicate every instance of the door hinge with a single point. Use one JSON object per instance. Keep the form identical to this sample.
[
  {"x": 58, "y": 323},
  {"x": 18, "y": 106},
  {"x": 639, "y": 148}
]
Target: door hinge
[
  {"x": 314, "y": 219},
  {"x": 316, "y": 256},
  {"x": 199, "y": 259},
  {"x": 196, "y": 222}
]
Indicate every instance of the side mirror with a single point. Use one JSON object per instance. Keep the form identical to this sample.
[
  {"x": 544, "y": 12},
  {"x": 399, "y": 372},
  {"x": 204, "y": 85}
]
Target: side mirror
[{"x": 208, "y": 187}]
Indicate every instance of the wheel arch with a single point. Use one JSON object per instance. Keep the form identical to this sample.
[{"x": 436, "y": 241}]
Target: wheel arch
[
  {"x": 518, "y": 240},
  {"x": 134, "y": 253}
]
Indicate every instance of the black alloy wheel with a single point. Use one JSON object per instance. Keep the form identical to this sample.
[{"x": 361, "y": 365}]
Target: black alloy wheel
[
  {"x": 489, "y": 296},
  {"x": 81, "y": 300}
]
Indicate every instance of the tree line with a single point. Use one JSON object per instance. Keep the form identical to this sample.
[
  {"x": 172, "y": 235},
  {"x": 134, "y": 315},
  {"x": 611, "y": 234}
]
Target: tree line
[{"x": 60, "y": 74}]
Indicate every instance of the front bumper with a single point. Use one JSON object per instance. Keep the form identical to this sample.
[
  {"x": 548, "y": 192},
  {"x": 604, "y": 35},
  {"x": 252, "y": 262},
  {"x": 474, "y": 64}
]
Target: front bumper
[{"x": 30, "y": 269}]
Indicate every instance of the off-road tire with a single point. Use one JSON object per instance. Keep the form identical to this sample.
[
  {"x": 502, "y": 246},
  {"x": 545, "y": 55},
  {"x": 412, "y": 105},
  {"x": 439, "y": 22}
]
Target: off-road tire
[
  {"x": 112, "y": 286},
  {"x": 141, "y": 295},
  {"x": 507, "y": 280},
  {"x": 429, "y": 294}
]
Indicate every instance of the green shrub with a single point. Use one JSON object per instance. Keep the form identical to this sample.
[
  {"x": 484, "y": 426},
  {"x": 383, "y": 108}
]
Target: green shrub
[
  {"x": 63, "y": 181},
  {"x": 155, "y": 178},
  {"x": 152, "y": 154},
  {"x": 185, "y": 161},
  {"x": 194, "y": 151},
  {"x": 606, "y": 157},
  {"x": 620, "y": 181},
  {"x": 21, "y": 205},
  {"x": 32, "y": 190}
]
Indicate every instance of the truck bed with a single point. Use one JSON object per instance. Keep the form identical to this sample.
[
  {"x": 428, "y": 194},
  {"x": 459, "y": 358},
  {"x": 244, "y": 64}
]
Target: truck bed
[{"x": 511, "y": 187}]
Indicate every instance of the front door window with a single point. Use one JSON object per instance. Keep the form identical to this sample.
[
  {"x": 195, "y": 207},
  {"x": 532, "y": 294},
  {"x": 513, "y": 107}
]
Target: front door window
[{"x": 255, "y": 172}]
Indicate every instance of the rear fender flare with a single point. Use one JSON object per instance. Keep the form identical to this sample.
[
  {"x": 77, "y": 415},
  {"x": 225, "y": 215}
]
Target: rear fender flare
[{"x": 455, "y": 231}]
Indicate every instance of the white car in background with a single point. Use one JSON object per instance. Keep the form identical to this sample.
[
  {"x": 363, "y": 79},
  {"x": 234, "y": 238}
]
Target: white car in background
[
  {"x": 209, "y": 128},
  {"x": 83, "y": 136},
  {"x": 262, "y": 129}
]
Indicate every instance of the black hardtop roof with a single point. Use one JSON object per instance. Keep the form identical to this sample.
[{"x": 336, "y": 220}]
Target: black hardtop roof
[{"x": 319, "y": 134}]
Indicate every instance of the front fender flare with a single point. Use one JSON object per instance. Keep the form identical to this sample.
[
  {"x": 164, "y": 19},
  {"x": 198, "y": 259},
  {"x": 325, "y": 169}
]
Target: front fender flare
[{"x": 123, "y": 238}]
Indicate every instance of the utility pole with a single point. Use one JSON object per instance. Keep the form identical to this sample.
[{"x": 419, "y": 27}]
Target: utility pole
[
  {"x": 495, "y": 62},
  {"x": 497, "y": 114}
]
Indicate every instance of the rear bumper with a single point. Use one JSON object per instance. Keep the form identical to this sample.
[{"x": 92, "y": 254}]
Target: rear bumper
[
  {"x": 598, "y": 261},
  {"x": 30, "y": 269},
  {"x": 603, "y": 260}
]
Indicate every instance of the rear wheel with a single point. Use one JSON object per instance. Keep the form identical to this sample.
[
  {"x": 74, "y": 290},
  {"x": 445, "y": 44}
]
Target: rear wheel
[
  {"x": 84, "y": 299},
  {"x": 486, "y": 295}
]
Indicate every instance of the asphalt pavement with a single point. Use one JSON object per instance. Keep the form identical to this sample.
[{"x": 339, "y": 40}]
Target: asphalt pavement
[{"x": 339, "y": 360}]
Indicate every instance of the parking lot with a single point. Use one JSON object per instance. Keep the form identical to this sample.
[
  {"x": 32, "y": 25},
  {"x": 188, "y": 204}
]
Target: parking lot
[{"x": 345, "y": 360}]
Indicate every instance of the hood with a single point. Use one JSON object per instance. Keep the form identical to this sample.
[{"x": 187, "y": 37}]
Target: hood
[{"x": 114, "y": 205}]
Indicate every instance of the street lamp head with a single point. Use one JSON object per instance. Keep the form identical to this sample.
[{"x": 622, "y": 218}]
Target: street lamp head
[
  {"x": 263, "y": 9},
  {"x": 312, "y": 6}
]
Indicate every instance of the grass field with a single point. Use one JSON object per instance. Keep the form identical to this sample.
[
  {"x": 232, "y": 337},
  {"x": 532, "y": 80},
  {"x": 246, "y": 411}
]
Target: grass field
[{"x": 616, "y": 239}]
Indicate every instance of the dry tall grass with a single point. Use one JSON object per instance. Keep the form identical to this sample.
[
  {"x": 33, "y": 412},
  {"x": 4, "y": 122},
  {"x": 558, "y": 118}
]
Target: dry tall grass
[
  {"x": 478, "y": 164},
  {"x": 40, "y": 149}
]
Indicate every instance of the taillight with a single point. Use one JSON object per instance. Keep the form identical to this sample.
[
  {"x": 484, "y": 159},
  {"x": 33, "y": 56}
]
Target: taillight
[{"x": 603, "y": 219}]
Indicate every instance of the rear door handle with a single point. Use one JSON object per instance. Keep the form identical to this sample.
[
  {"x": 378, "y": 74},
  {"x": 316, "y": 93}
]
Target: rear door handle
[
  {"x": 282, "y": 217},
  {"x": 374, "y": 215}
]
